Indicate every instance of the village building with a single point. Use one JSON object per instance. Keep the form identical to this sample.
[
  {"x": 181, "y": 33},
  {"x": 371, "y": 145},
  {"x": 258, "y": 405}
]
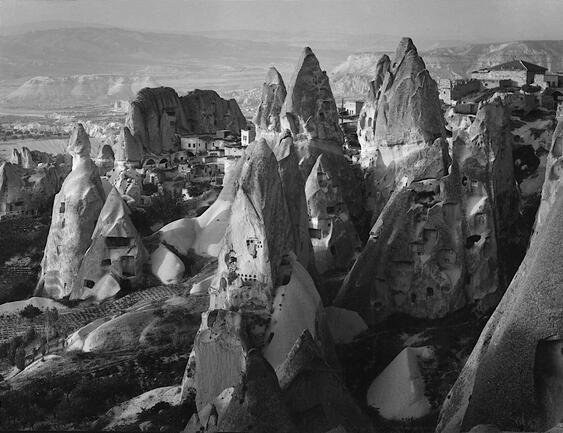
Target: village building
[
  {"x": 353, "y": 108},
  {"x": 247, "y": 136},
  {"x": 451, "y": 91},
  {"x": 516, "y": 73}
]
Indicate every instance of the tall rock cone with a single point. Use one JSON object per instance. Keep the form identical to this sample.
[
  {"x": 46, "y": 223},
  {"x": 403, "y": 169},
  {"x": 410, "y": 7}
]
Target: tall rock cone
[
  {"x": 513, "y": 377},
  {"x": 267, "y": 117},
  {"x": 310, "y": 111},
  {"x": 334, "y": 237},
  {"x": 434, "y": 246},
  {"x": 400, "y": 126},
  {"x": 75, "y": 212},
  {"x": 116, "y": 250},
  {"x": 294, "y": 191}
]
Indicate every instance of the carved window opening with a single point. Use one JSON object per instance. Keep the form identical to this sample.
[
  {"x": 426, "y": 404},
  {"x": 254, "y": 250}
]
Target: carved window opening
[
  {"x": 413, "y": 297},
  {"x": 128, "y": 266},
  {"x": 62, "y": 207},
  {"x": 89, "y": 284},
  {"x": 429, "y": 292},
  {"x": 471, "y": 241},
  {"x": 106, "y": 262},
  {"x": 117, "y": 242},
  {"x": 315, "y": 233}
]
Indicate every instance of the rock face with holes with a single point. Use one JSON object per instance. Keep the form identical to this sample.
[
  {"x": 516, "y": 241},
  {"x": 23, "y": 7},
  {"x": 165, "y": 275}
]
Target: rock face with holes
[
  {"x": 116, "y": 250},
  {"x": 75, "y": 213},
  {"x": 553, "y": 172},
  {"x": 514, "y": 376},
  {"x": 401, "y": 126},
  {"x": 334, "y": 237},
  {"x": 157, "y": 115},
  {"x": 207, "y": 112},
  {"x": 261, "y": 295},
  {"x": 153, "y": 118},
  {"x": 434, "y": 247},
  {"x": 294, "y": 193}
]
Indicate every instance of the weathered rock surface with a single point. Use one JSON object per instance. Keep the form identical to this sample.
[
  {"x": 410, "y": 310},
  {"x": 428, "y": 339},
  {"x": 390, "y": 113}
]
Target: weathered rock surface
[
  {"x": 207, "y": 112},
  {"x": 145, "y": 118},
  {"x": 256, "y": 405},
  {"x": 553, "y": 173},
  {"x": 166, "y": 266},
  {"x": 75, "y": 213},
  {"x": 105, "y": 159},
  {"x": 513, "y": 376},
  {"x": 127, "y": 150},
  {"x": 267, "y": 117},
  {"x": 434, "y": 245},
  {"x": 22, "y": 157},
  {"x": 399, "y": 390},
  {"x": 314, "y": 393},
  {"x": 333, "y": 235},
  {"x": 116, "y": 253},
  {"x": 402, "y": 110},
  {"x": 294, "y": 192}
]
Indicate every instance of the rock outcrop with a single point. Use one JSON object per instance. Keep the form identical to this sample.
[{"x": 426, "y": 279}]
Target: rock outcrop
[
  {"x": 434, "y": 245},
  {"x": 206, "y": 112},
  {"x": 75, "y": 212},
  {"x": 145, "y": 119},
  {"x": 553, "y": 172},
  {"x": 116, "y": 253},
  {"x": 513, "y": 376},
  {"x": 310, "y": 112},
  {"x": 294, "y": 192},
  {"x": 403, "y": 112},
  {"x": 401, "y": 127},
  {"x": 22, "y": 157},
  {"x": 333, "y": 235},
  {"x": 105, "y": 159},
  {"x": 267, "y": 117},
  {"x": 157, "y": 115},
  {"x": 127, "y": 150}
]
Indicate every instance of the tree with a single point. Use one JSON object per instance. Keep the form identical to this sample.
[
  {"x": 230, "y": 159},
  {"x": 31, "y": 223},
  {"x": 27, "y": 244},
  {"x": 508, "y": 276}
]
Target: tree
[
  {"x": 30, "y": 312},
  {"x": 20, "y": 358}
]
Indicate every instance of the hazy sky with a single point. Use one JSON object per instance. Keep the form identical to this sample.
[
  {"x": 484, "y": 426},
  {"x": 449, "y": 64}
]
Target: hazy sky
[{"x": 438, "y": 19}]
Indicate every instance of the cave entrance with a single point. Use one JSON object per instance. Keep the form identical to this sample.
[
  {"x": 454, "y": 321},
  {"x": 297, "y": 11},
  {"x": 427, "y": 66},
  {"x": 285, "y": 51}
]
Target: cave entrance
[{"x": 548, "y": 380}]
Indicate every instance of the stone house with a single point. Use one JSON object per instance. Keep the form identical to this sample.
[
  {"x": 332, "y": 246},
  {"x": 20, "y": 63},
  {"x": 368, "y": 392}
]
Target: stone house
[{"x": 515, "y": 73}]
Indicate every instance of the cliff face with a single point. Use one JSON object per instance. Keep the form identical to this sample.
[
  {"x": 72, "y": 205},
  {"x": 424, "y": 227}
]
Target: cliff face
[
  {"x": 513, "y": 376},
  {"x": 75, "y": 212},
  {"x": 145, "y": 118},
  {"x": 434, "y": 246},
  {"x": 158, "y": 114},
  {"x": 207, "y": 112},
  {"x": 333, "y": 235}
]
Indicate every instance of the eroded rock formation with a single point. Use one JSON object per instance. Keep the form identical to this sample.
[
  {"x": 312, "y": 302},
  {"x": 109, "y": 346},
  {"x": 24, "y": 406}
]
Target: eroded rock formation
[
  {"x": 513, "y": 376},
  {"x": 334, "y": 237},
  {"x": 116, "y": 251},
  {"x": 207, "y": 112},
  {"x": 267, "y": 117},
  {"x": 22, "y": 158},
  {"x": 146, "y": 114},
  {"x": 127, "y": 150},
  {"x": 434, "y": 247},
  {"x": 75, "y": 212},
  {"x": 401, "y": 127}
]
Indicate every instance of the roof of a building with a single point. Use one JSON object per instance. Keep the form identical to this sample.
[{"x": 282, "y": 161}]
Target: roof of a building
[{"x": 515, "y": 65}]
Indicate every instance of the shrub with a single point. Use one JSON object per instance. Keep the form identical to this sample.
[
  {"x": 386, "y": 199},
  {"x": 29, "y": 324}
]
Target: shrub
[{"x": 30, "y": 311}]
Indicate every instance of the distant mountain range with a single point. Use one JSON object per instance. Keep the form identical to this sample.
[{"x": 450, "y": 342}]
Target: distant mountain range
[
  {"x": 73, "y": 64},
  {"x": 351, "y": 78}
]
